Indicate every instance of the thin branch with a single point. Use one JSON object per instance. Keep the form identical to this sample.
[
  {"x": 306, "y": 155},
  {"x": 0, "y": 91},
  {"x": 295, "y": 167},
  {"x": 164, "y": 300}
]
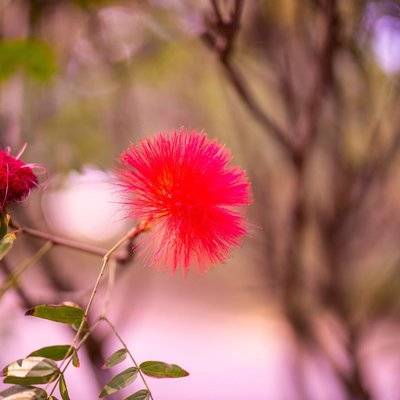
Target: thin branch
[
  {"x": 78, "y": 346},
  {"x": 129, "y": 353},
  {"x": 49, "y": 263},
  {"x": 60, "y": 241},
  {"x": 284, "y": 72},
  {"x": 237, "y": 10},
  {"x": 110, "y": 285},
  {"x": 323, "y": 79},
  {"x": 242, "y": 90},
  {"x": 27, "y": 303},
  {"x": 87, "y": 334},
  {"x": 324, "y": 74},
  {"x": 216, "y": 9},
  {"x": 221, "y": 37},
  {"x": 13, "y": 278},
  {"x": 132, "y": 233}
]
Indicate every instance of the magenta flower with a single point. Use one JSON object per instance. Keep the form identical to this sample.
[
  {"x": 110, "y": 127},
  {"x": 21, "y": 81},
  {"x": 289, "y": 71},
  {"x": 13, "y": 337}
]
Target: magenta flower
[
  {"x": 16, "y": 179},
  {"x": 182, "y": 184}
]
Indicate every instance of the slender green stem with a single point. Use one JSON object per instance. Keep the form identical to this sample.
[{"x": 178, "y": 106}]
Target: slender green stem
[
  {"x": 110, "y": 285},
  {"x": 78, "y": 346},
  {"x": 105, "y": 319},
  {"x": 19, "y": 270},
  {"x": 135, "y": 231}
]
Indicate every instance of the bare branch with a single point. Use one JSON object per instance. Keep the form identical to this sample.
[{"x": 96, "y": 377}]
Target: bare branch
[
  {"x": 216, "y": 9},
  {"x": 72, "y": 244},
  {"x": 220, "y": 38},
  {"x": 248, "y": 100},
  {"x": 324, "y": 74}
]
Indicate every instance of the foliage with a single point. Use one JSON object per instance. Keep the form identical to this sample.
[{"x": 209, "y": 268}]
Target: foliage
[{"x": 33, "y": 57}]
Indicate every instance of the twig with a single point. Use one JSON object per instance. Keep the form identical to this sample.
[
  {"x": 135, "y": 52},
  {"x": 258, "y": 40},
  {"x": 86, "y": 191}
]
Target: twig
[
  {"x": 238, "y": 83},
  {"x": 27, "y": 303},
  {"x": 237, "y": 10},
  {"x": 221, "y": 37},
  {"x": 216, "y": 9},
  {"x": 24, "y": 266},
  {"x": 129, "y": 352},
  {"x": 133, "y": 233},
  {"x": 78, "y": 346},
  {"x": 60, "y": 241},
  {"x": 324, "y": 76},
  {"x": 284, "y": 72},
  {"x": 56, "y": 240},
  {"x": 110, "y": 285},
  {"x": 87, "y": 334}
]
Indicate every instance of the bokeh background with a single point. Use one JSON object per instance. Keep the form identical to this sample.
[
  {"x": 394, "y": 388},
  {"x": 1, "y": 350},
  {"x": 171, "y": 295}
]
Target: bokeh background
[{"x": 306, "y": 95}]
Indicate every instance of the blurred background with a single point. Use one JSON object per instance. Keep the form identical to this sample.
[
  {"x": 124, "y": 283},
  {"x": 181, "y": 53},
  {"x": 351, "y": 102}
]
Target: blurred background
[{"x": 306, "y": 95}]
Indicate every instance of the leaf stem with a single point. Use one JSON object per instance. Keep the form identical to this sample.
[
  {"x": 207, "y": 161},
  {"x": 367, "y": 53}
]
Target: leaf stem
[
  {"x": 105, "y": 319},
  {"x": 131, "y": 234},
  {"x": 79, "y": 345}
]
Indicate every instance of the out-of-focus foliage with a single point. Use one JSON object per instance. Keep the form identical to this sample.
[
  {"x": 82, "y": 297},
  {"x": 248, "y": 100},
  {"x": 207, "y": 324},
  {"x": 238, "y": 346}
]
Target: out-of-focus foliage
[
  {"x": 79, "y": 129},
  {"x": 89, "y": 4},
  {"x": 35, "y": 58}
]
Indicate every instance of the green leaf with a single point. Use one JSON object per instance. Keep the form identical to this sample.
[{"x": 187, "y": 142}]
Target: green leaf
[
  {"x": 6, "y": 243},
  {"x": 23, "y": 393},
  {"x": 140, "y": 395},
  {"x": 159, "y": 369},
  {"x": 119, "y": 381},
  {"x": 33, "y": 57},
  {"x": 66, "y": 314},
  {"x": 31, "y": 371},
  {"x": 57, "y": 352},
  {"x": 115, "y": 358},
  {"x": 63, "y": 388}
]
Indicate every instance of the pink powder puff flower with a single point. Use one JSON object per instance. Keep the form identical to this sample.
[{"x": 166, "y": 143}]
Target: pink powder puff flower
[
  {"x": 182, "y": 184},
  {"x": 16, "y": 178}
]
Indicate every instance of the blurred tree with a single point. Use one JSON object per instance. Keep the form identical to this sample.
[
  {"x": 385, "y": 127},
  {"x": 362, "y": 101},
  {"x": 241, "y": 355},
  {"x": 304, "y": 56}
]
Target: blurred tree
[{"x": 296, "y": 86}]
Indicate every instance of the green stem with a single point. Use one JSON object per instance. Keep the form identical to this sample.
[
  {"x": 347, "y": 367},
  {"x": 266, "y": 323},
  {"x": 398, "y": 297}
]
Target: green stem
[
  {"x": 135, "y": 231},
  {"x": 129, "y": 352},
  {"x": 13, "y": 279}
]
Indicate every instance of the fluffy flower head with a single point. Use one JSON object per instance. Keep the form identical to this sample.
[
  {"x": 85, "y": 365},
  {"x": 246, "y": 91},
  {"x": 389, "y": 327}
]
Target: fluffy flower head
[
  {"x": 181, "y": 182},
  {"x": 16, "y": 179}
]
